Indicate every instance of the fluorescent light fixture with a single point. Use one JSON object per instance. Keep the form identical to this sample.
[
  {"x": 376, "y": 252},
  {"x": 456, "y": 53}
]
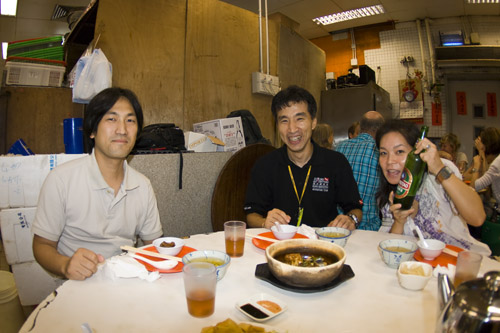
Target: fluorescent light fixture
[
  {"x": 350, "y": 15},
  {"x": 4, "y": 50},
  {"x": 482, "y": 1},
  {"x": 8, "y": 7}
]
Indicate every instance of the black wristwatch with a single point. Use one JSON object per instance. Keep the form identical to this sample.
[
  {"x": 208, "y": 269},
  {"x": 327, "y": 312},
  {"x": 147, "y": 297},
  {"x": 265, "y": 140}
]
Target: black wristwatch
[
  {"x": 443, "y": 174},
  {"x": 355, "y": 219}
]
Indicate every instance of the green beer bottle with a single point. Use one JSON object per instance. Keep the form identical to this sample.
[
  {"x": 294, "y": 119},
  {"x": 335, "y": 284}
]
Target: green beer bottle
[{"x": 411, "y": 178}]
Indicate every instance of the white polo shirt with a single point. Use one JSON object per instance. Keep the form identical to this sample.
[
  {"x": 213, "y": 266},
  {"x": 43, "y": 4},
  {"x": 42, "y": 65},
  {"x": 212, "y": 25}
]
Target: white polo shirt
[{"x": 77, "y": 208}]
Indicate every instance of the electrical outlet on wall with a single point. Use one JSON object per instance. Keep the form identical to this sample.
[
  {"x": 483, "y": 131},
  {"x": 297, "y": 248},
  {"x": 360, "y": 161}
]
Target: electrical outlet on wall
[{"x": 265, "y": 84}]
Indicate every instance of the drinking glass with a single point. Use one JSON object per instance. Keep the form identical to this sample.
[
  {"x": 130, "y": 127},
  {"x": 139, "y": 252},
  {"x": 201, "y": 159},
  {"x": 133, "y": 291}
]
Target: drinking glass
[
  {"x": 234, "y": 234},
  {"x": 200, "y": 281},
  {"x": 468, "y": 264}
]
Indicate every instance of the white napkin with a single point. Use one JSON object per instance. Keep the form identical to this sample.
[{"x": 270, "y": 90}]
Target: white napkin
[
  {"x": 450, "y": 271},
  {"x": 307, "y": 231},
  {"x": 124, "y": 266}
]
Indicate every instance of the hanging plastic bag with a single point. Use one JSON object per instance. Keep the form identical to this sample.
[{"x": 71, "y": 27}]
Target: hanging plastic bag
[{"x": 93, "y": 74}]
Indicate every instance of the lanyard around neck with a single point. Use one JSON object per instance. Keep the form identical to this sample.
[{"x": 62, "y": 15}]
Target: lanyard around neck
[{"x": 295, "y": 187}]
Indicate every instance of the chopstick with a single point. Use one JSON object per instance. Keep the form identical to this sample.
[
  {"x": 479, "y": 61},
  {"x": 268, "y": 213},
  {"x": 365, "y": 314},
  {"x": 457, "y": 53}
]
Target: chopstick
[
  {"x": 262, "y": 237},
  {"x": 149, "y": 253},
  {"x": 450, "y": 252}
]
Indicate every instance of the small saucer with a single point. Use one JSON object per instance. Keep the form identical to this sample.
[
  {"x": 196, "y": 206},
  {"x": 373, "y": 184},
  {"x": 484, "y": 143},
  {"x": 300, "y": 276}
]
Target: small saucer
[{"x": 262, "y": 272}]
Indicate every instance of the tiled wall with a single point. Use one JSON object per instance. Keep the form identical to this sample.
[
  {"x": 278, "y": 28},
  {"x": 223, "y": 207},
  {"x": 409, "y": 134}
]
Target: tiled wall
[{"x": 404, "y": 41}]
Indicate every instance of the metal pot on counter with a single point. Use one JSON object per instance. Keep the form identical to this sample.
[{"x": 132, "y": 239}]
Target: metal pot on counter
[{"x": 473, "y": 307}]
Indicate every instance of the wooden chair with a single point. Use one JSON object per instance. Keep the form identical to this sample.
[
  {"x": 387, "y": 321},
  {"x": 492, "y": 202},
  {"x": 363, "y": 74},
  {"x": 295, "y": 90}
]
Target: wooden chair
[{"x": 230, "y": 189}]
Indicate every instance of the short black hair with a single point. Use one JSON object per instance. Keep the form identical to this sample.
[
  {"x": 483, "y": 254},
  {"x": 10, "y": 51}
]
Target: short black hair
[
  {"x": 102, "y": 103},
  {"x": 291, "y": 95}
]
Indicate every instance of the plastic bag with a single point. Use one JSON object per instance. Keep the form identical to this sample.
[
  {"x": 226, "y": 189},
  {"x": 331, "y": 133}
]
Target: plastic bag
[{"x": 93, "y": 74}]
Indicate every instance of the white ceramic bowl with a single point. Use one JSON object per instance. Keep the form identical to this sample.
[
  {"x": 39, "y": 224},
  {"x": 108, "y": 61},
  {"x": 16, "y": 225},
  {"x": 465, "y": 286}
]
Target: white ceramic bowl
[
  {"x": 326, "y": 233},
  {"x": 408, "y": 277},
  {"x": 288, "y": 231},
  {"x": 392, "y": 257},
  {"x": 435, "y": 248},
  {"x": 172, "y": 251},
  {"x": 206, "y": 255}
]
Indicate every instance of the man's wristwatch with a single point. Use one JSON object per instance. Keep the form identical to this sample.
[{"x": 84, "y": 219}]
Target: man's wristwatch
[
  {"x": 443, "y": 174},
  {"x": 355, "y": 219}
]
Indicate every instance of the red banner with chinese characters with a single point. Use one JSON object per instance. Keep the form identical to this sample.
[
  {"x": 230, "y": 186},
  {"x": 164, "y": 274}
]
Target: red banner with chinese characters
[
  {"x": 461, "y": 103},
  {"x": 437, "y": 114},
  {"x": 491, "y": 100}
]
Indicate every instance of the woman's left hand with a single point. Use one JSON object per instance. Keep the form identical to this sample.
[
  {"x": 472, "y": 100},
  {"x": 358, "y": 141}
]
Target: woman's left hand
[{"x": 429, "y": 154}]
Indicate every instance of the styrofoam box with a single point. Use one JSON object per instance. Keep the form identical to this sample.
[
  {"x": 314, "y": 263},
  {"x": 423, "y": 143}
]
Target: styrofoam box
[
  {"x": 17, "y": 234},
  {"x": 201, "y": 143},
  {"x": 228, "y": 130},
  {"x": 33, "y": 282},
  {"x": 29, "y": 74},
  {"x": 21, "y": 177}
]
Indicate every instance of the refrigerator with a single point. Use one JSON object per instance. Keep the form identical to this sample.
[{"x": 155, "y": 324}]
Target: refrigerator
[{"x": 341, "y": 107}]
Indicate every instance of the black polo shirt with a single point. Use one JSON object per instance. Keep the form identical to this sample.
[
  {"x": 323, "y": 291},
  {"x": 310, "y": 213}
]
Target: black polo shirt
[{"x": 330, "y": 184}]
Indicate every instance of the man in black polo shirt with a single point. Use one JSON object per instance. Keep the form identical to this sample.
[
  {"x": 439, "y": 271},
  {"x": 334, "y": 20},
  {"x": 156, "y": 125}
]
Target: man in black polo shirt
[{"x": 301, "y": 181}]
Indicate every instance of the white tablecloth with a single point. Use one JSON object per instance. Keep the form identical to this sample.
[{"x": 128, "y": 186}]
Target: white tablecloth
[{"x": 371, "y": 301}]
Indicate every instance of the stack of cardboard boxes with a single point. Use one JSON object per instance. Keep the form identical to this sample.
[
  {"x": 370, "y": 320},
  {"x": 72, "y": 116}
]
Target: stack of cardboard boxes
[{"x": 21, "y": 178}]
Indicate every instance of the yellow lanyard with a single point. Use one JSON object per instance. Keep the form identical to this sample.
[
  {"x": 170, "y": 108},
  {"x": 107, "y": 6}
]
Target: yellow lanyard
[{"x": 301, "y": 210}]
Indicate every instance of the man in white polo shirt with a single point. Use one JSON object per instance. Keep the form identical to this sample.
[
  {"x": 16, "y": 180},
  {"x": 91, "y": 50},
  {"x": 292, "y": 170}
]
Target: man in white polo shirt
[{"x": 91, "y": 206}]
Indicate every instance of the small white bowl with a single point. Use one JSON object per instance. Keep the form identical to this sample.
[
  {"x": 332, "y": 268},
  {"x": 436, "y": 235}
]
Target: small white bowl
[
  {"x": 172, "y": 251},
  {"x": 206, "y": 255},
  {"x": 409, "y": 278},
  {"x": 341, "y": 240},
  {"x": 288, "y": 231},
  {"x": 394, "y": 258},
  {"x": 435, "y": 248}
]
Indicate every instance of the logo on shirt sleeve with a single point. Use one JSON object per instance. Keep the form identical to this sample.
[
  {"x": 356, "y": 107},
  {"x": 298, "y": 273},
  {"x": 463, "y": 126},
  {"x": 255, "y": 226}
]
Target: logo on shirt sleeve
[{"x": 320, "y": 184}]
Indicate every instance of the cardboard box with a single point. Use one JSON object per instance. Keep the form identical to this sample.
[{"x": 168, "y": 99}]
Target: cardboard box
[
  {"x": 33, "y": 282},
  {"x": 228, "y": 130},
  {"x": 22, "y": 177},
  {"x": 17, "y": 234},
  {"x": 201, "y": 143}
]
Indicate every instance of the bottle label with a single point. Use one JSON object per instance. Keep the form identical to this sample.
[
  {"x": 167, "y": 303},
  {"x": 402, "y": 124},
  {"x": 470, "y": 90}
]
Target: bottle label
[{"x": 404, "y": 184}]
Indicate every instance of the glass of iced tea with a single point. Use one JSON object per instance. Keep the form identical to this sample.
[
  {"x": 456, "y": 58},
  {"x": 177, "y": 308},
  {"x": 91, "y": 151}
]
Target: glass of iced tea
[
  {"x": 200, "y": 281},
  {"x": 234, "y": 234},
  {"x": 468, "y": 264}
]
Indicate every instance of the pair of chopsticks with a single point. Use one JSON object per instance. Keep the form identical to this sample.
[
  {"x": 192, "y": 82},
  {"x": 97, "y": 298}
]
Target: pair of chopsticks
[
  {"x": 262, "y": 237},
  {"x": 450, "y": 252},
  {"x": 149, "y": 253}
]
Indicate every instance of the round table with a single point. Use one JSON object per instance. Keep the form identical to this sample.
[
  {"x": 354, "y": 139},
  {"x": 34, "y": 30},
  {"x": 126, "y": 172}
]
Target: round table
[{"x": 371, "y": 301}]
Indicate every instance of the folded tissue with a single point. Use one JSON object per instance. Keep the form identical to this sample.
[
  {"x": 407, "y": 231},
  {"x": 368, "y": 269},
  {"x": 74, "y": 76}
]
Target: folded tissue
[
  {"x": 124, "y": 266},
  {"x": 307, "y": 231},
  {"x": 450, "y": 271}
]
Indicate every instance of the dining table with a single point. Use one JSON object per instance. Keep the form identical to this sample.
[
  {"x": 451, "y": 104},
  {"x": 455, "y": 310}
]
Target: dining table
[{"x": 371, "y": 301}]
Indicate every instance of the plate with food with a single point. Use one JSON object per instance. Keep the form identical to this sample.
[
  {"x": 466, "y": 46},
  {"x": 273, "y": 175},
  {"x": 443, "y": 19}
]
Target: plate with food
[
  {"x": 261, "y": 307},
  {"x": 263, "y": 244},
  {"x": 230, "y": 325},
  {"x": 443, "y": 259},
  {"x": 185, "y": 250}
]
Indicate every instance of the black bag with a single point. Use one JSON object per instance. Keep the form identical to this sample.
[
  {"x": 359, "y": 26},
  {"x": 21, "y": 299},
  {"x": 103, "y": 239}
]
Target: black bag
[
  {"x": 250, "y": 127},
  {"x": 160, "y": 137}
]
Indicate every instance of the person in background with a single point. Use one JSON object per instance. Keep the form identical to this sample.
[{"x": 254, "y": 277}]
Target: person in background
[
  {"x": 353, "y": 130},
  {"x": 91, "y": 206},
  {"x": 450, "y": 145},
  {"x": 486, "y": 165},
  {"x": 362, "y": 154},
  {"x": 323, "y": 135},
  {"x": 301, "y": 182},
  {"x": 444, "y": 204}
]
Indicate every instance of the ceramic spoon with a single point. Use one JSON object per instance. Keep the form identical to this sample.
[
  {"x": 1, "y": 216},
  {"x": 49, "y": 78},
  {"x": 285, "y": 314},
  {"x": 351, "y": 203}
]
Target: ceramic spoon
[
  {"x": 421, "y": 236},
  {"x": 163, "y": 264},
  {"x": 278, "y": 226}
]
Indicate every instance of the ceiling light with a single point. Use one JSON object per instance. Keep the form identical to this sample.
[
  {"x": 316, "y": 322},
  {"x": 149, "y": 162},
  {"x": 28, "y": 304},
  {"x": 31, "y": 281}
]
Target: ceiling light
[
  {"x": 482, "y": 1},
  {"x": 352, "y": 14},
  {"x": 8, "y": 7}
]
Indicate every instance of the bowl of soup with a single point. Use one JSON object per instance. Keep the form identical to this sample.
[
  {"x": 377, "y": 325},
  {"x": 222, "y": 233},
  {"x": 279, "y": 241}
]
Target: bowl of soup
[
  {"x": 305, "y": 262},
  {"x": 335, "y": 235},
  {"x": 219, "y": 259},
  {"x": 395, "y": 251}
]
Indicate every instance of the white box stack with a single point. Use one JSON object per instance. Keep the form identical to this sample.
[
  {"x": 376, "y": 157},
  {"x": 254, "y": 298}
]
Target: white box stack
[
  {"x": 30, "y": 74},
  {"x": 228, "y": 130}
]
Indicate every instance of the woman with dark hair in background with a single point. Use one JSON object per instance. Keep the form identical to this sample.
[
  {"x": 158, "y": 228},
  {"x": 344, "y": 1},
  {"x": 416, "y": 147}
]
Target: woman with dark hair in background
[
  {"x": 443, "y": 206},
  {"x": 486, "y": 165},
  {"x": 323, "y": 135}
]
